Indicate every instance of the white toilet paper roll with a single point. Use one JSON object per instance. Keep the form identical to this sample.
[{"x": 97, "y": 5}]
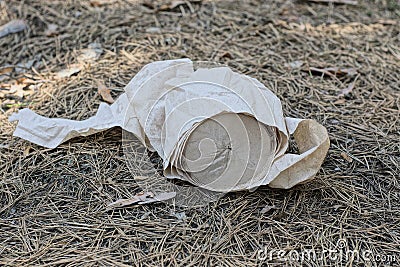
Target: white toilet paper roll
[
  {"x": 215, "y": 128},
  {"x": 228, "y": 152}
]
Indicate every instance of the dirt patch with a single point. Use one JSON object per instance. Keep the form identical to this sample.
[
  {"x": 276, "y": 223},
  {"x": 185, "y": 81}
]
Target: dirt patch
[{"x": 53, "y": 201}]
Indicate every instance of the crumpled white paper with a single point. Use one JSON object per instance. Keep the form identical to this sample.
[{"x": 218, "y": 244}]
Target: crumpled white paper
[{"x": 215, "y": 128}]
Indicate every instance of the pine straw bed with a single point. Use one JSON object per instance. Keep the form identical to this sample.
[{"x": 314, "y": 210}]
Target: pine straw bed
[{"x": 53, "y": 201}]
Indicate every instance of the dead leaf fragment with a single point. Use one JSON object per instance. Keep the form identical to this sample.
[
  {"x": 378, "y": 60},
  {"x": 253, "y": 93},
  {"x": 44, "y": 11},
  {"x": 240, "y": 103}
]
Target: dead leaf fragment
[
  {"x": 17, "y": 89},
  {"x": 104, "y": 92},
  {"x": 91, "y": 53},
  {"x": 160, "y": 197},
  {"x": 51, "y": 30},
  {"x": 346, "y": 157},
  {"x": 27, "y": 151},
  {"x": 339, "y": 101},
  {"x": 348, "y": 89},
  {"x": 295, "y": 64},
  {"x": 267, "y": 208},
  {"x": 13, "y": 26},
  {"x": 126, "y": 202},
  {"x": 227, "y": 55},
  {"x": 28, "y": 81},
  {"x": 20, "y": 87},
  {"x": 6, "y": 70},
  {"x": 68, "y": 72}
]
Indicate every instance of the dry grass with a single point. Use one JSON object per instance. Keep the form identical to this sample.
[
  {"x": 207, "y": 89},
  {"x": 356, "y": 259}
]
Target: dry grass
[{"x": 53, "y": 201}]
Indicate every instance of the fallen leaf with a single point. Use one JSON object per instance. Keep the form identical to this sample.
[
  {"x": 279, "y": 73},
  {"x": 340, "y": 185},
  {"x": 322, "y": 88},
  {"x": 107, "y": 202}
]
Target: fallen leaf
[
  {"x": 6, "y": 70},
  {"x": 126, "y": 202},
  {"x": 68, "y": 72},
  {"x": 334, "y": 71},
  {"x": 91, "y": 53},
  {"x": 51, "y": 30},
  {"x": 347, "y": 2},
  {"x": 227, "y": 55},
  {"x": 110, "y": 181},
  {"x": 104, "y": 92},
  {"x": 346, "y": 157},
  {"x": 295, "y": 64},
  {"x": 160, "y": 197},
  {"x": 27, "y": 151},
  {"x": 267, "y": 208},
  {"x": 27, "y": 81},
  {"x": 13, "y": 26},
  {"x": 17, "y": 89},
  {"x": 339, "y": 101}
]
